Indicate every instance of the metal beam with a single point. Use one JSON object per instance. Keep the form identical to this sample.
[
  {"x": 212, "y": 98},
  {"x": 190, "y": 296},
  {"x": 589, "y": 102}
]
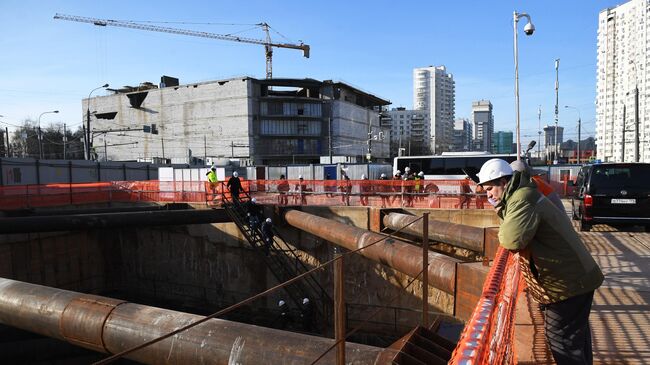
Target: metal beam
[
  {"x": 110, "y": 326},
  {"x": 395, "y": 253},
  {"x": 80, "y": 222}
]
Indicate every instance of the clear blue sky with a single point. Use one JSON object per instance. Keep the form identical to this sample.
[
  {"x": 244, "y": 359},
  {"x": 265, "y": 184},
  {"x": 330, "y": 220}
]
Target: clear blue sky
[{"x": 49, "y": 64}]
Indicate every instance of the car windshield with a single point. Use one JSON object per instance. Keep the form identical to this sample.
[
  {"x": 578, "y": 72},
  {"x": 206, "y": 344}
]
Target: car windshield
[{"x": 618, "y": 177}]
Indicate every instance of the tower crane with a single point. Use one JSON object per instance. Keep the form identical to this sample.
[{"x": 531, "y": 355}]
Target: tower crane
[{"x": 267, "y": 43}]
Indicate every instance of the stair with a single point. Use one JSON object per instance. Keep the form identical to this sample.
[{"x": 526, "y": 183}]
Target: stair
[
  {"x": 284, "y": 264},
  {"x": 422, "y": 346}
]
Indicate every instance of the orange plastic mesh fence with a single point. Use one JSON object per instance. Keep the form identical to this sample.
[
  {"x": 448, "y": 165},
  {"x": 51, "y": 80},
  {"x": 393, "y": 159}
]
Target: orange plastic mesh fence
[
  {"x": 488, "y": 337},
  {"x": 448, "y": 194}
]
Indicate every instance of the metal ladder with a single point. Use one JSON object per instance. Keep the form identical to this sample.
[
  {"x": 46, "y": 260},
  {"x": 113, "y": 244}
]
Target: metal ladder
[{"x": 284, "y": 264}]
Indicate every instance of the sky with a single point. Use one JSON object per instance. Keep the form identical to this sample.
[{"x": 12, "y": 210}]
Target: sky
[{"x": 48, "y": 64}]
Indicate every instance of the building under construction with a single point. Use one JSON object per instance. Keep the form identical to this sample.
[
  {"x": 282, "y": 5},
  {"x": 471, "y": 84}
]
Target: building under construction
[{"x": 260, "y": 122}]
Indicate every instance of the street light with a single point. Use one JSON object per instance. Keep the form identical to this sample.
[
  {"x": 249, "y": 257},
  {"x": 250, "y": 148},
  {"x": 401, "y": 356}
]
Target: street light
[
  {"x": 88, "y": 120},
  {"x": 529, "y": 28},
  {"x": 40, "y": 134},
  {"x": 579, "y": 122}
]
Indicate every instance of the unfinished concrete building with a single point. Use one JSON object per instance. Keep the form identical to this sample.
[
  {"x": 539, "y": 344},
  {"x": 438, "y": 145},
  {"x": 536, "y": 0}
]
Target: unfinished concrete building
[{"x": 260, "y": 122}]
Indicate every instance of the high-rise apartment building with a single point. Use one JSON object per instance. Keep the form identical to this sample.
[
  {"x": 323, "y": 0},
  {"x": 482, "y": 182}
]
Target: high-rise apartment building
[
  {"x": 409, "y": 130},
  {"x": 622, "y": 122},
  {"x": 462, "y": 135},
  {"x": 434, "y": 91},
  {"x": 483, "y": 125},
  {"x": 552, "y": 146}
]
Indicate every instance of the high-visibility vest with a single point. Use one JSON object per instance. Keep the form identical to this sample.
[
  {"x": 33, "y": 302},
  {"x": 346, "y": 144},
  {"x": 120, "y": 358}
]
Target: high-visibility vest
[{"x": 212, "y": 177}]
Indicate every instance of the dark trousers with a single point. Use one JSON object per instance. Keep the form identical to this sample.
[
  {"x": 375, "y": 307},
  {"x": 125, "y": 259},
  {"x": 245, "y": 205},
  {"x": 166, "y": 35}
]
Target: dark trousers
[{"x": 567, "y": 329}]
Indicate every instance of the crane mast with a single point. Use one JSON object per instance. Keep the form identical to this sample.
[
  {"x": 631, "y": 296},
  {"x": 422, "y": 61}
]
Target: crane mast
[{"x": 267, "y": 43}]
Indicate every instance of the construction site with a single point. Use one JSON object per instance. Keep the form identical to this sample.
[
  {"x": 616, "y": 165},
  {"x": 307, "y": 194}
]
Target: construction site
[{"x": 171, "y": 276}]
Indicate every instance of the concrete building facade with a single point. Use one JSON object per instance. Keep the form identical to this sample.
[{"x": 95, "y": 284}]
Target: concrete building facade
[
  {"x": 622, "y": 119},
  {"x": 262, "y": 122},
  {"x": 462, "y": 135},
  {"x": 434, "y": 91},
  {"x": 483, "y": 125},
  {"x": 409, "y": 130}
]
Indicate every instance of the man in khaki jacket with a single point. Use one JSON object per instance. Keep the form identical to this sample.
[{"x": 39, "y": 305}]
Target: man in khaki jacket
[{"x": 560, "y": 272}]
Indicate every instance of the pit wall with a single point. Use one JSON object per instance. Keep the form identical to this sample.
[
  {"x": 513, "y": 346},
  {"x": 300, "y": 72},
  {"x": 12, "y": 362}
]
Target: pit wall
[{"x": 201, "y": 268}]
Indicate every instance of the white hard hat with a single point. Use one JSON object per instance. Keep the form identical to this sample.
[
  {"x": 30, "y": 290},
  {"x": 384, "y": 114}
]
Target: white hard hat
[
  {"x": 407, "y": 169},
  {"x": 281, "y": 303},
  {"x": 383, "y": 175},
  {"x": 363, "y": 176},
  {"x": 300, "y": 176},
  {"x": 254, "y": 200},
  {"x": 268, "y": 220},
  {"x": 213, "y": 168},
  {"x": 398, "y": 172},
  {"x": 518, "y": 165},
  {"x": 421, "y": 173},
  {"x": 235, "y": 174},
  {"x": 305, "y": 300},
  {"x": 494, "y": 169}
]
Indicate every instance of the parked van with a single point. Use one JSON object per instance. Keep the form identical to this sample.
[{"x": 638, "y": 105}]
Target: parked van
[{"x": 612, "y": 193}]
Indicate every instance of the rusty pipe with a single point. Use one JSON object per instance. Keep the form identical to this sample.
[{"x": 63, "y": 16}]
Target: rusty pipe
[
  {"x": 471, "y": 238},
  {"x": 400, "y": 255},
  {"x": 110, "y": 326}
]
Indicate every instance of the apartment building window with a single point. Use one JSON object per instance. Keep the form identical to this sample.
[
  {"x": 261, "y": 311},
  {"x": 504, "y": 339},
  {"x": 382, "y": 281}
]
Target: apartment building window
[{"x": 290, "y": 128}]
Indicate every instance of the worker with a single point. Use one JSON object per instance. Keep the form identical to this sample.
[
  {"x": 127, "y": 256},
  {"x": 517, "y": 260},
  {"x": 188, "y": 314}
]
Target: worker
[
  {"x": 283, "y": 188},
  {"x": 306, "y": 315},
  {"x": 234, "y": 184},
  {"x": 560, "y": 273},
  {"x": 364, "y": 190},
  {"x": 254, "y": 212},
  {"x": 396, "y": 186},
  {"x": 479, "y": 191},
  {"x": 465, "y": 197},
  {"x": 407, "y": 187},
  {"x": 213, "y": 180},
  {"x": 346, "y": 188},
  {"x": 383, "y": 190},
  {"x": 283, "y": 319},
  {"x": 301, "y": 189},
  {"x": 419, "y": 186},
  {"x": 267, "y": 235}
]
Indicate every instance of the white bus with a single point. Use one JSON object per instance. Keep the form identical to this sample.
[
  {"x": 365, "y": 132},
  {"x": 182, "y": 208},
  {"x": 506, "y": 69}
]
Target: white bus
[{"x": 449, "y": 165}]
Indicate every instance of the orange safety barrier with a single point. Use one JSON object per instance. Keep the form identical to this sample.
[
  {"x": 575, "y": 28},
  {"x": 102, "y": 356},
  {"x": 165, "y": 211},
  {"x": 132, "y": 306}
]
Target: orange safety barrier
[
  {"x": 488, "y": 337},
  {"x": 447, "y": 194}
]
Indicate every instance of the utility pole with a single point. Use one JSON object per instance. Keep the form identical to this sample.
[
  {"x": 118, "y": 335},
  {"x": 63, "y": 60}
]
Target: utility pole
[
  {"x": 369, "y": 155},
  {"x": 329, "y": 136},
  {"x": 7, "y": 136},
  {"x": 40, "y": 143},
  {"x": 636, "y": 123},
  {"x": 162, "y": 143},
  {"x": 557, "y": 111},
  {"x": 579, "y": 123},
  {"x": 65, "y": 139},
  {"x": 105, "y": 150},
  {"x": 86, "y": 153},
  {"x": 539, "y": 132},
  {"x": 623, "y": 135},
  {"x": 232, "y": 149}
]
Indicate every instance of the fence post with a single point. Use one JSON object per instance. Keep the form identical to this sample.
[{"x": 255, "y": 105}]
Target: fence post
[
  {"x": 339, "y": 309},
  {"x": 425, "y": 270}
]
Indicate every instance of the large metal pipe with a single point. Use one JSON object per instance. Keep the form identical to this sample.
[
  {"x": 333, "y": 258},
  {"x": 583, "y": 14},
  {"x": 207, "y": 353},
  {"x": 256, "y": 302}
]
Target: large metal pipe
[
  {"x": 77, "y": 222},
  {"x": 471, "y": 238},
  {"x": 400, "y": 255},
  {"x": 110, "y": 326}
]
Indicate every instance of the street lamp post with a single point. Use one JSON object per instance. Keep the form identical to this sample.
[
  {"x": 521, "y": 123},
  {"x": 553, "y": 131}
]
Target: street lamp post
[
  {"x": 88, "y": 120},
  {"x": 579, "y": 122},
  {"x": 529, "y": 28},
  {"x": 40, "y": 134}
]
